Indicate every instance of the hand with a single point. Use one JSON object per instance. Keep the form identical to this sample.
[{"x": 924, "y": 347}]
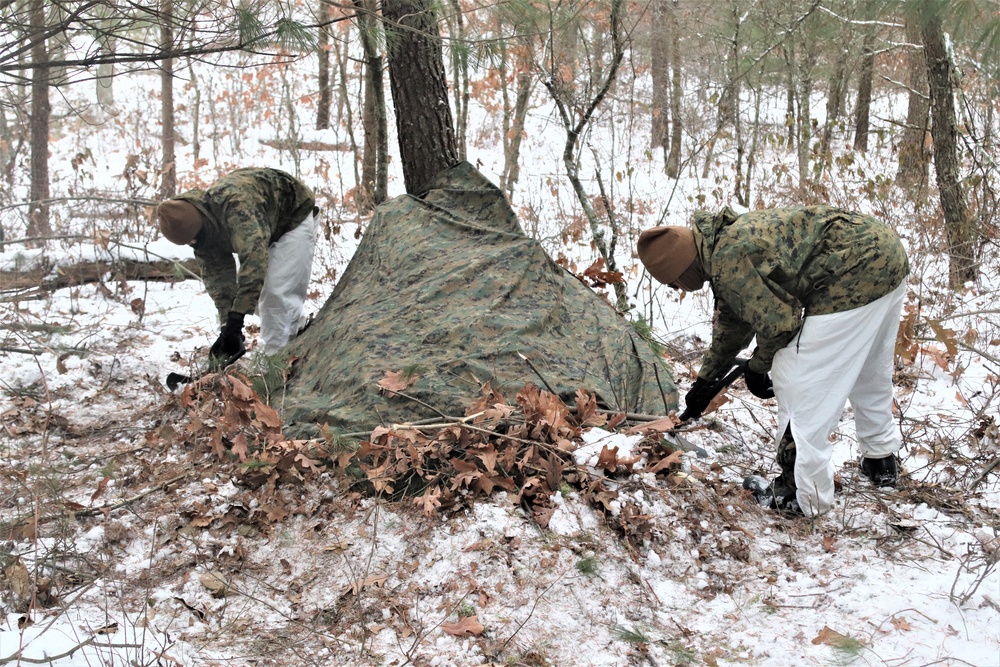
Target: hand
[
  {"x": 230, "y": 340},
  {"x": 698, "y": 397},
  {"x": 759, "y": 384}
]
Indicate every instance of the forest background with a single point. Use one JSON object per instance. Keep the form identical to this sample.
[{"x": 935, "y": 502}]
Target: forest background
[{"x": 597, "y": 119}]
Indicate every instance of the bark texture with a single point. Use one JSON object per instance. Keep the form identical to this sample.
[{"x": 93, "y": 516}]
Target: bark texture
[
  {"x": 419, "y": 89},
  {"x": 958, "y": 225}
]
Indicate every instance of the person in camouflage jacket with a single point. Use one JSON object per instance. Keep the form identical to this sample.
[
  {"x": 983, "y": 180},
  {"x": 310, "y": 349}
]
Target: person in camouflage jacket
[
  {"x": 821, "y": 289},
  {"x": 265, "y": 217}
]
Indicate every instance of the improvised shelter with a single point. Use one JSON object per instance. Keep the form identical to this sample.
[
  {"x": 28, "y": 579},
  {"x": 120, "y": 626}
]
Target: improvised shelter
[{"x": 447, "y": 288}]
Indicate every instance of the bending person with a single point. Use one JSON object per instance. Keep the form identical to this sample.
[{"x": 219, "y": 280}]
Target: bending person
[
  {"x": 268, "y": 219},
  {"x": 821, "y": 289}
]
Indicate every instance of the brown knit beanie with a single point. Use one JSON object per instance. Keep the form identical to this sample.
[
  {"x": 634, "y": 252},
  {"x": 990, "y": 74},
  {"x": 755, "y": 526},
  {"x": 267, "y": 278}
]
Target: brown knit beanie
[
  {"x": 180, "y": 221},
  {"x": 667, "y": 252}
]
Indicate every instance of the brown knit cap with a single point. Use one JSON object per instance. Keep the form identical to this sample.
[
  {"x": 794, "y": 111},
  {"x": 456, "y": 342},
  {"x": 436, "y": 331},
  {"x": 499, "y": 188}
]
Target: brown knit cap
[
  {"x": 667, "y": 252},
  {"x": 180, "y": 221}
]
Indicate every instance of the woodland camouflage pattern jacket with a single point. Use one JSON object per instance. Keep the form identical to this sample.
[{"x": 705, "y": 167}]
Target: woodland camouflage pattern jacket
[
  {"x": 769, "y": 269},
  {"x": 244, "y": 212}
]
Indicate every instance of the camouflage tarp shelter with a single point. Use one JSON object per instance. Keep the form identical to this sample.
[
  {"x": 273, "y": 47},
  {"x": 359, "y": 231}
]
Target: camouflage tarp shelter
[{"x": 448, "y": 287}]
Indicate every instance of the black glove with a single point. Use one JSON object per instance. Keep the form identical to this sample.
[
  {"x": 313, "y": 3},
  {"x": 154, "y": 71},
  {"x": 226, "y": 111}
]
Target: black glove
[
  {"x": 698, "y": 397},
  {"x": 230, "y": 340},
  {"x": 759, "y": 384}
]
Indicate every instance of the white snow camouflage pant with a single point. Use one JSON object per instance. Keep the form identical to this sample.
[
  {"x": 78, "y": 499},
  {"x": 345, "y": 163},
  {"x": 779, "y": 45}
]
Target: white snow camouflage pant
[
  {"x": 835, "y": 358},
  {"x": 283, "y": 296}
]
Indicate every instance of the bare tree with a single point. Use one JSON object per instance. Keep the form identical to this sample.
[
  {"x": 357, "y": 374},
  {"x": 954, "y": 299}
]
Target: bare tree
[
  {"x": 913, "y": 154},
  {"x": 38, "y": 222},
  {"x": 863, "y": 111},
  {"x": 325, "y": 94},
  {"x": 168, "y": 169},
  {"x": 673, "y": 166},
  {"x": 958, "y": 224},
  {"x": 375, "y": 161}
]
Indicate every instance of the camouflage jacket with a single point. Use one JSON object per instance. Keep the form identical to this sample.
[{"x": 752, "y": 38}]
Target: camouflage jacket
[
  {"x": 244, "y": 212},
  {"x": 769, "y": 269}
]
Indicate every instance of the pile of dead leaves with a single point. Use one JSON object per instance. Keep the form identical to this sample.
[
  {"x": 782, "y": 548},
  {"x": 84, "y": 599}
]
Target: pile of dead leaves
[
  {"x": 229, "y": 418},
  {"x": 523, "y": 448}
]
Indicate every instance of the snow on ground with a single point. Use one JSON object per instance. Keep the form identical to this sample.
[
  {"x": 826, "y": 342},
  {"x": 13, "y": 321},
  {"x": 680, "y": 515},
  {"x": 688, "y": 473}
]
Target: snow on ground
[{"x": 181, "y": 568}]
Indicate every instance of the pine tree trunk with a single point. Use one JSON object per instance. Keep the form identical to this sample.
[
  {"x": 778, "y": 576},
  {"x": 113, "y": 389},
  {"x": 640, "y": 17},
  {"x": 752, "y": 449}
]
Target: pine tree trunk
[
  {"x": 944, "y": 131},
  {"x": 419, "y": 92},
  {"x": 168, "y": 168},
  {"x": 38, "y": 220}
]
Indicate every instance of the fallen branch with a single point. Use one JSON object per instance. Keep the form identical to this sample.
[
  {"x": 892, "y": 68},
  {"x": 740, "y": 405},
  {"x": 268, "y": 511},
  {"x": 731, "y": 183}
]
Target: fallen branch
[{"x": 93, "y": 272}]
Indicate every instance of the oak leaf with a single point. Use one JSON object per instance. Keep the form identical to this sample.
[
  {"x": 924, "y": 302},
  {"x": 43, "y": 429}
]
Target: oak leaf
[
  {"x": 901, "y": 624},
  {"x": 467, "y": 627},
  {"x": 392, "y": 382}
]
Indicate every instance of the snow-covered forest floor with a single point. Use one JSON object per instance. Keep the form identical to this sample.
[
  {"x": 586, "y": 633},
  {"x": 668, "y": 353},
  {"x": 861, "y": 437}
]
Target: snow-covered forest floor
[{"x": 133, "y": 547}]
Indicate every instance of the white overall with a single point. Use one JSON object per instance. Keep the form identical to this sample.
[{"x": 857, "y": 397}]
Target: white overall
[
  {"x": 846, "y": 356},
  {"x": 283, "y": 295}
]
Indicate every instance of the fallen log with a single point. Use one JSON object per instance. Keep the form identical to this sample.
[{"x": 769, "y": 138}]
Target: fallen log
[{"x": 41, "y": 278}]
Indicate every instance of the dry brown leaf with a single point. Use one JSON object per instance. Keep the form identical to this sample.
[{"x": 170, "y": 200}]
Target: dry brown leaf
[
  {"x": 374, "y": 581},
  {"x": 833, "y": 638},
  {"x": 901, "y": 624},
  {"x": 608, "y": 459},
  {"x": 215, "y": 582},
  {"x": 467, "y": 627},
  {"x": 660, "y": 425},
  {"x": 392, "y": 382},
  {"x": 430, "y": 501},
  {"x": 674, "y": 458}
]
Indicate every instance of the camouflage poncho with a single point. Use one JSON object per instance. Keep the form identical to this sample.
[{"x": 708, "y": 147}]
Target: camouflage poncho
[
  {"x": 447, "y": 290},
  {"x": 244, "y": 212},
  {"x": 769, "y": 269}
]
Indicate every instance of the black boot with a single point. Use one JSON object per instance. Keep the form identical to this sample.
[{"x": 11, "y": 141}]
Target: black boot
[
  {"x": 772, "y": 497},
  {"x": 881, "y": 472}
]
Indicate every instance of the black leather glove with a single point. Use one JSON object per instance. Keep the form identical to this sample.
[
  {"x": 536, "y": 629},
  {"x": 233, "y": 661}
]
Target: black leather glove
[
  {"x": 230, "y": 340},
  {"x": 698, "y": 397},
  {"x": 759, "y": 384}
]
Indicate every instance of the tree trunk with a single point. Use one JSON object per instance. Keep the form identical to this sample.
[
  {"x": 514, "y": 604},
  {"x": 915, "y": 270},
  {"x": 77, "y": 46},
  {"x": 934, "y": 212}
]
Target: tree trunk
[
  {"x": 460, "y": 77},
  {"x": 805, "y": 80},
  {"x": 913, "y": 154},
  {"x": 958, "y": 224},
  {"x": 789, "y": 97},
  {"x": 375, "y": 162},
  {"x": 660, "y": 73},
  {"x": 38, "y": 219},
  {"x": 168, "y": 169},
  {"x": 576, "y": 114},
  {"x": 673, "y": 169},
  {"x": 834, "y": 100},
  {"x": 195, "y": 115},
  {"x": 514, "y": 119},
  {"x": 861, "y": 118},
  {"x": 419, "y": 92},
  {"x": 729, "y": 101},
  {"x": 323, "y": 55}
]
